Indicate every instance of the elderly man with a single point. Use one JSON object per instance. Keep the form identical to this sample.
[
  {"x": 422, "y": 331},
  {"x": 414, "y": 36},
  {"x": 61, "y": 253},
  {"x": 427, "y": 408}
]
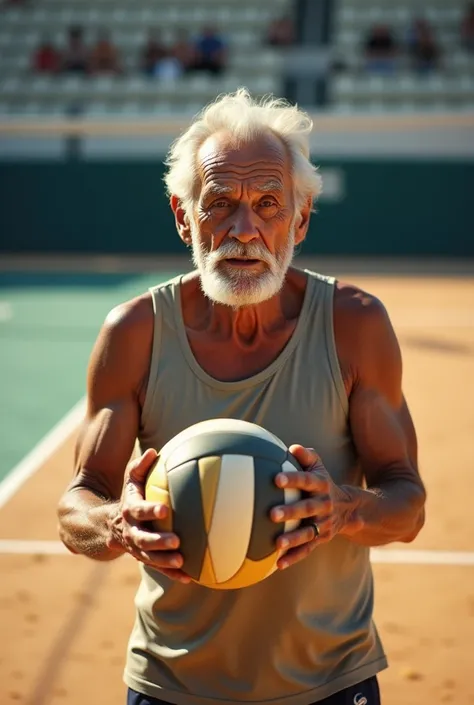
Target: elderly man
[{"x": 247, "y": 335}]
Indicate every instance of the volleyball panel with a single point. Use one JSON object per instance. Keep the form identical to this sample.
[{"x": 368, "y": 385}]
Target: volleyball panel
[
  {"x": 267, "y": 495},
  {"x": 188, "y": 516},
  {"x": 249, "y": 573},
  {"x": 233, "y": 516},
  {"x": 156, "y": 490},
  {"x": 215, "y": 428},
  {"x": 220, "y": 444}
]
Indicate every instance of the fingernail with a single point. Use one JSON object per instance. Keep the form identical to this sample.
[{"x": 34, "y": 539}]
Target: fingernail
[
  {"x": 284, "y": 543},
  {"x": 278, "y": 514},
  {"x": 171, "y": 543},
  {"x": 175, "y": 563},
  {"x": 284, "y": 564},
  {"x": 282, "y": 480}
]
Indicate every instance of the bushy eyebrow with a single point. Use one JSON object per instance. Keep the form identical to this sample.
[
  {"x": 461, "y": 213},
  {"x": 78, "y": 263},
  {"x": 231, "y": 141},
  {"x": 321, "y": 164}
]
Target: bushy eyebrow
[
  {"x": 217, "y": 190},
  {"x": 272, "y": 185},
  {"x": 266, "y": 187}
]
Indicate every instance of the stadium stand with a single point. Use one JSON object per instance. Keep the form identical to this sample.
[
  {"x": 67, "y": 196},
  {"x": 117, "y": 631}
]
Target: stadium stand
[
  {"x": 252, "y": 59},
  {"x": 450, "y": 85},
  {"x": 23, "y": 27}
]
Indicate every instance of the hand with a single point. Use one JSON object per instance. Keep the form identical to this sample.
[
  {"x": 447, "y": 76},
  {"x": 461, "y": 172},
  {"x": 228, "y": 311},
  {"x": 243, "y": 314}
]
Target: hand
[
  {"x": 328, "y": 505},
  {"x": 129, "y": 532}
]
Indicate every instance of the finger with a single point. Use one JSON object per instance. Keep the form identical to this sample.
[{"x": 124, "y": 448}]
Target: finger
[
  {"x": 149, "y": 541},
  {"x": 319, "y": 506},
  {"x": 176, "y": 575},
  {"x": 294, "y": 555},
  {"x": 159, "y": 559},
  {"x": 307, "y": 457},
  {"x": 141, "y": 510},
  {"x": 308, "y": 481},
  {"x": 292, "y": 539},
  {"x": 140, "y": 467}
]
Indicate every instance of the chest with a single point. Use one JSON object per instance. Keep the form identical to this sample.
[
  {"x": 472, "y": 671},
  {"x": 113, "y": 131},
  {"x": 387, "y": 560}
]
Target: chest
[{"x": 242, "y": 359}]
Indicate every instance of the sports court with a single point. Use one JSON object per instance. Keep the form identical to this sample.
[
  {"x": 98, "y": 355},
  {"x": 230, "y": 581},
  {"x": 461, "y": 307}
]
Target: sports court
[{"x": 66, "y": 620}]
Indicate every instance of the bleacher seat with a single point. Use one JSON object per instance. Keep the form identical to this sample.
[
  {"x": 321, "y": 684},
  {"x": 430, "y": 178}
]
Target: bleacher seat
[
  {"x": 129, "y": 23},
  {"x": 451, "y": 85}
]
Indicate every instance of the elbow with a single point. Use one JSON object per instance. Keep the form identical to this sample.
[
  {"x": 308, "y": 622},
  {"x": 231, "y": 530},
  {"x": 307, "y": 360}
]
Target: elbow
[
  {"x": 419, "y": 515},
  {"x": 66, "y": 524},
  {"x": 64, "y": 538}
]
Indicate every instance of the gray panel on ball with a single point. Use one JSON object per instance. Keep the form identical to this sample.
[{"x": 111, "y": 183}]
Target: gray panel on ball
[
  {"x": 267, "y": 495},
  {"x": 225, "y": 444},
  {"x": 188, "y": 517},
  {"x": 291, "y": 459}
]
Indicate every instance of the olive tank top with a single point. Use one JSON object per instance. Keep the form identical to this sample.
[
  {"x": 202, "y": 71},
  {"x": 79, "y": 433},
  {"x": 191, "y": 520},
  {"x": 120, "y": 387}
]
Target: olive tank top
[{"x": 303, "y": 633}]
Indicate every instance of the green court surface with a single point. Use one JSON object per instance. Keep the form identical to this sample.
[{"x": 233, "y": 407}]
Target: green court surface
[{"x": 48, "y": 324}]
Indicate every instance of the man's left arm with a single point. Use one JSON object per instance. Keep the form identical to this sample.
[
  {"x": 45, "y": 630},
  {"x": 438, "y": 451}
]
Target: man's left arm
[{"x": 390, "y": 507}]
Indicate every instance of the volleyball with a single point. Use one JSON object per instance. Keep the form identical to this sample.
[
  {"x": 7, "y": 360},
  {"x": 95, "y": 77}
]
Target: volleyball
[{"x": 217, "y": 478}]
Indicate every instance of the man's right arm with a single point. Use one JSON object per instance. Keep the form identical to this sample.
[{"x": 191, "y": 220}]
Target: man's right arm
[{"x": 90, "y": 510}]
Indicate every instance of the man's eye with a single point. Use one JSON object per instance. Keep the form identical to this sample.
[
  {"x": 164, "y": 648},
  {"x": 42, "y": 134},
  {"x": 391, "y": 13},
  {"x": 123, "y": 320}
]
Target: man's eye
[
  {"x": 267, "y": 203},
  {"x": 220, "y": 204}
]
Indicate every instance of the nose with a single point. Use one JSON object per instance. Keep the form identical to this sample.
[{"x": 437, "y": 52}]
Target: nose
[{"x": 243, "y": 228}]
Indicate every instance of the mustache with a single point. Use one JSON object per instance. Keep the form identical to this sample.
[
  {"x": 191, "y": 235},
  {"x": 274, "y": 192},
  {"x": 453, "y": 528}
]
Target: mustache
[{"x": 253, "y": 250}]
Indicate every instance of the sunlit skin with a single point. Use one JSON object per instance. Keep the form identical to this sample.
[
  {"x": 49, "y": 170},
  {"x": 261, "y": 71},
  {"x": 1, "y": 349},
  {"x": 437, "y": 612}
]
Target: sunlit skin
[
  {"x": 245, "y": 195},
  {"x": 258, "y": 209}
]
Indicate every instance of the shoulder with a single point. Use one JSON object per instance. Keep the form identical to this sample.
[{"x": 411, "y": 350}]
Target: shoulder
[
  {"x": 122, "y": 350},
  {"x": 130, "y": 318},
  {"x": 359, "y": 311},
  {"x": 366, "y": 342}
]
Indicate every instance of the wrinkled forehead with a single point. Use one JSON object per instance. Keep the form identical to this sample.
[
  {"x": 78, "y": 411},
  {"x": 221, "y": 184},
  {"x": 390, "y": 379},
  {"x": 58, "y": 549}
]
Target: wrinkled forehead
[{"x": 221, "y": 159}]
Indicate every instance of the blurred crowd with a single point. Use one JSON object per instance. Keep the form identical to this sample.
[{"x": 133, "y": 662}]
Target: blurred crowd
[
  {"x": 382, "y": 47},
  {"x": 207, "y": 51}
]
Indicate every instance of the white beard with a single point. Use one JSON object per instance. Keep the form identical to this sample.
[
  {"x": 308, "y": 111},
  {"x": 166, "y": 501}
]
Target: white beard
[{"x": 241, "y": 287}]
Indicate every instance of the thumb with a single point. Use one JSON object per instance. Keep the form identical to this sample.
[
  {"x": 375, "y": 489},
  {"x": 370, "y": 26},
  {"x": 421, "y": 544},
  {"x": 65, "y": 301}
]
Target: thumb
[
  {"x": 307, "y": 457},
  {"x": 140, "y": 467}
]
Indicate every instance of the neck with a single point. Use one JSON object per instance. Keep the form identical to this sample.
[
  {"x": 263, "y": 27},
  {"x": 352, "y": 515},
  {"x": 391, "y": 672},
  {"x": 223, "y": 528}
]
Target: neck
[{"x": 246, "y": 325}]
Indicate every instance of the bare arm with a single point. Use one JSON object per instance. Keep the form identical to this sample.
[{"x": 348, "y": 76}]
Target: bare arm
[
  {"x": 90, "y": 505},
  {"x": 392, "y": 505}
]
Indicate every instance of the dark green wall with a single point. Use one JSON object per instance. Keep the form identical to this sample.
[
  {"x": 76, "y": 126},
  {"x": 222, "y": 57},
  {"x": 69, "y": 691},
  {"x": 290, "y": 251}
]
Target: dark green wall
[{"x": 387, "y": 208}]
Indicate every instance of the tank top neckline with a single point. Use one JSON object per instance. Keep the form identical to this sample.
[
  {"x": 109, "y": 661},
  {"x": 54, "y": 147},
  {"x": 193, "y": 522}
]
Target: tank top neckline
[{"x": 255, "y": 379}]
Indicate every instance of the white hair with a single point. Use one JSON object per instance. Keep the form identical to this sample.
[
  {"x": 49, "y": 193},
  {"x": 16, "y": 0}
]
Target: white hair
[{"x": 244, "y": 118}]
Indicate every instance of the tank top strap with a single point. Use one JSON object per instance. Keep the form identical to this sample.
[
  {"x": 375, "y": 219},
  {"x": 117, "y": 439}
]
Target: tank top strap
[
  {"x": 320, "y": 328},
  {"x": 163, "y": 298}
]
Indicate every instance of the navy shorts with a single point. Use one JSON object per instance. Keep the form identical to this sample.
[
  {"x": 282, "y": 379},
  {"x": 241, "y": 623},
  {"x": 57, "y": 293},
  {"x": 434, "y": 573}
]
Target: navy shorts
[{"x": 365, "y": 693}]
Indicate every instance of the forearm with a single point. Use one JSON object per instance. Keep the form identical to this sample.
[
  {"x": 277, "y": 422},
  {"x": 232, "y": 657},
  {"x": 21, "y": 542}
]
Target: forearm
[
  {"x": 86, "y": 524},
  {"x": 394, "y": 511}
]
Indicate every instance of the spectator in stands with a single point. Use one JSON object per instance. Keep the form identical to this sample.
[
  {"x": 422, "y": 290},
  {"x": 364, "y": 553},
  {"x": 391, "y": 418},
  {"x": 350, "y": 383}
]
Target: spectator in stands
[
  {"x": 467, "y": 28},
  {"x": 104, "y": 58},
  {"x": 46, "y": 58},
  {"x": 281, "y": 32},
  {"x": 153, "y": 52},
  {"x": 422, "y": 46},
  {"x": 75, "y": 56},
  {"x": 380, "y": 49},
  {"x": 211, "y": 54},
  {"x": 184, "y": 51}
]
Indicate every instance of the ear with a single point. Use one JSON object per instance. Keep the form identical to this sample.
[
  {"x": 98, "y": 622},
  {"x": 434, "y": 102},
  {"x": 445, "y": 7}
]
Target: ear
[
  {"x": 302, "y": 221},
  {"x": 181, "y": 219}
]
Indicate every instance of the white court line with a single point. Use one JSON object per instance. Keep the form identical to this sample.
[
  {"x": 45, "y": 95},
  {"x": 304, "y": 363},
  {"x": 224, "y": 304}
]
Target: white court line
[
  {"x": 33, "y": 548},
  {"x": 420, "y": 557},
  {"x": 377, "y": 555},
  {"x": 41, "y": 452}
]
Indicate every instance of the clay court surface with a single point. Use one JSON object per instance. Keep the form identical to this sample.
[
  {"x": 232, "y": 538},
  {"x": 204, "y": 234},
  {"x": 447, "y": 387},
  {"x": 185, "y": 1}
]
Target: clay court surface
[{"x": 65, "y": 620}]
